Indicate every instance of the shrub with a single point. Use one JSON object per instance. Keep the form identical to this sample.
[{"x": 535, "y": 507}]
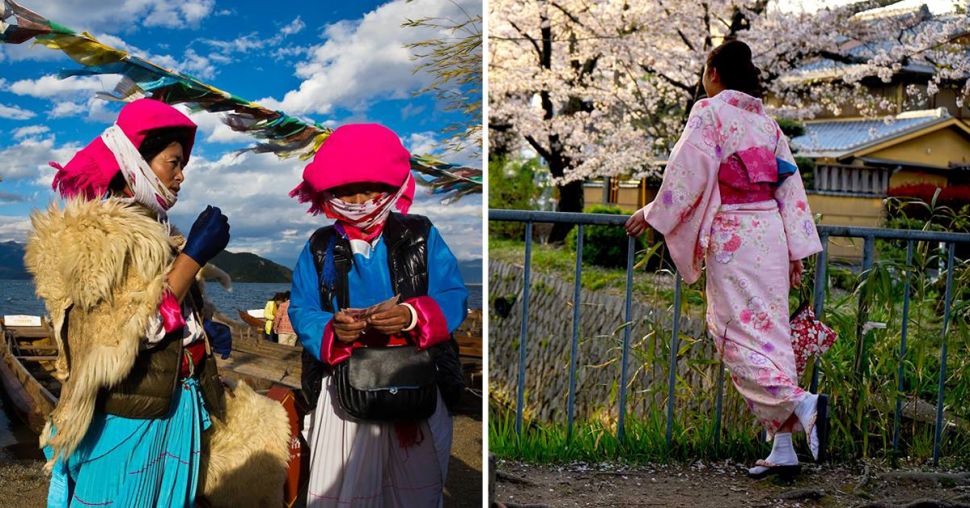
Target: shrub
[
  {"x": 604, "y": 245},
  {"x": 511, "y": 186}
]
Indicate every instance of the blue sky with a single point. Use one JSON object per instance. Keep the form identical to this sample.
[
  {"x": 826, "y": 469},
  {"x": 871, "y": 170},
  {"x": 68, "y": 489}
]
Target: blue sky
[{"x": 337, "y": 62}]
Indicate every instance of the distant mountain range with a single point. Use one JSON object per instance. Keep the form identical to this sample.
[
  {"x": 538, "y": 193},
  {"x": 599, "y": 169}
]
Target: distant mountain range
[
  {"x": 248, "y": 267},
  {"x": 12, "y": 261},
  {"x": 241, "y": 266}
]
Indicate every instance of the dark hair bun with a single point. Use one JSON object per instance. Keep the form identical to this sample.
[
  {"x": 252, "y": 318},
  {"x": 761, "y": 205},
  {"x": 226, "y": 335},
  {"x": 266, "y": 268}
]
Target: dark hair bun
[{"x": 734, "y": 65}]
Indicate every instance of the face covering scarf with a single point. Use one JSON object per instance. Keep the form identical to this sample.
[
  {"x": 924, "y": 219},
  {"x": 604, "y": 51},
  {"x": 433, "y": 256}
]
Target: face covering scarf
[
  {"x": 363, "y": 221},
  {"x": 147, "y": 188}
]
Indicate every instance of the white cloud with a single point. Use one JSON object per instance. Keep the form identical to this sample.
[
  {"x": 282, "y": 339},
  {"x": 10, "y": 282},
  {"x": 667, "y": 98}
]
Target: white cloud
[
  {"x": 10, "y": 197},
  {"x": 422, "y": 143},
  {"x": 15, "y": 113},
  {"x": 110, "y": 14},
  {"x": 30, "y": 131},
  {"x": 213, "y": 130},
  {"x": 27, "y": 51},
  {"x": 14, "y": 228},
  {"x": 29, "y": 159},
  {"x": 50, "y": 86},
  {"x": 427, "y": 143},
  {"x": 249, "y": 43},
  {"x": 93, "y": 110},
  {"x": 294, "y": 27},
  {"x": 365, "y": 60},
  {"x": 197, "y": 65}
]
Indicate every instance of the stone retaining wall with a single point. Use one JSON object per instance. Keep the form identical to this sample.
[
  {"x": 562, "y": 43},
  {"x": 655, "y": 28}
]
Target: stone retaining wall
[{"x": 549, "y": 335}]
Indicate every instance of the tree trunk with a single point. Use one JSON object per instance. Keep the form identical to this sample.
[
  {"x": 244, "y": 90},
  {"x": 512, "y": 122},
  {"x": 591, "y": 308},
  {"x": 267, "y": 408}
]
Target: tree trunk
[{"x": 570, "y": 200}]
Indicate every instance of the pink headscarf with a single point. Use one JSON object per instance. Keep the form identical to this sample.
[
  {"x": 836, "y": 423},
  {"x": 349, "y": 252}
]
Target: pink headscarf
[
  {"x": 358, "y": 153},
  {"x": 90, "y": 171}
]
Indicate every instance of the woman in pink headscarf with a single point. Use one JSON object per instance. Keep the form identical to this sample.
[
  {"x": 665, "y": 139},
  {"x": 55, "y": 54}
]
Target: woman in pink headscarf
[
  {"x": 732, "y": 198},
  {"x": 138, "y": 378},
  {"x": 373, "y": 252}
]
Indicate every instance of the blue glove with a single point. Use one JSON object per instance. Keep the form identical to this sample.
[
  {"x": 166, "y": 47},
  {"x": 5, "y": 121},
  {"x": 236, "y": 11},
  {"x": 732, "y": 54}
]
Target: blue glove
[
  {"x": 220, "y": 337},
  {"x": 208, "y": 237}
]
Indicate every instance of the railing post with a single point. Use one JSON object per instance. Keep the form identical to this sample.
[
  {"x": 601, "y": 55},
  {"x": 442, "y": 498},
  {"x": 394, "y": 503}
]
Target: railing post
[
  {"x": 946, "y": 324},
  {"x": 674, "y": 348},
  {"x": 718, "y": 407},
  {"x": 897, "y": 416},
  {"x": 821, "y": 264},
  {"x": 630, "y": 247},
  {"x": 520, "y": 396},
  {"x": 574, "y": 349}
]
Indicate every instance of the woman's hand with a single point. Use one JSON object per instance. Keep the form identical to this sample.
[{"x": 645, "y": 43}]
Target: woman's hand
[
  {"x": 391, "y": 321},
  {"x": 636, "y": 224},
  {"x": 346, "y": 327},
  {"x": 208, "y": 237},
  {"x": 795, "y": 270}
]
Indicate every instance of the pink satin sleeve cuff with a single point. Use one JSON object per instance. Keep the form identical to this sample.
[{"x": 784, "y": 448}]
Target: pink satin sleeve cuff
[
  {"x": 171, "y": 312},
  {"x": 333, "y": 351},
  {"x": 431, "y": 327}
]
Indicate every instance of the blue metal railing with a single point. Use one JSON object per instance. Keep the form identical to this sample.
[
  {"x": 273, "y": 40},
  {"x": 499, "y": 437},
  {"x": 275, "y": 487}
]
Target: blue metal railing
[{"x": 869, "y": 236}]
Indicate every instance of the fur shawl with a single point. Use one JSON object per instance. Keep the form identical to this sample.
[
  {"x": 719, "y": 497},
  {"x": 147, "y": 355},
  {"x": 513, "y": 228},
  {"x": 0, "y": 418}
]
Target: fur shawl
[{"x": 99, "y": 265}]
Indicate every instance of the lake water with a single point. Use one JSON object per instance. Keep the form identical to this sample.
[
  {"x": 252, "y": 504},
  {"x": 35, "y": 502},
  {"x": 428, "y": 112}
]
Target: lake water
[{"x": 17, "y": 296}]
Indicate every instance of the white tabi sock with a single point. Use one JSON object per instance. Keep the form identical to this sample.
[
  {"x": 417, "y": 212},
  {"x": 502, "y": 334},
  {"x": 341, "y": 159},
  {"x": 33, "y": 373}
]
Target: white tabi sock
[
  {"x": 805, "y": 412},
  {"x": 782, "y": 450},
  {"x": 782, "y": 454}
]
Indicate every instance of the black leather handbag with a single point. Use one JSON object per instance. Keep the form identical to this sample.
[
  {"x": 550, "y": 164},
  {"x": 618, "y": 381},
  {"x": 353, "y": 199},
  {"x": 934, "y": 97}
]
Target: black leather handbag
[{"x": 389, "y": 384}]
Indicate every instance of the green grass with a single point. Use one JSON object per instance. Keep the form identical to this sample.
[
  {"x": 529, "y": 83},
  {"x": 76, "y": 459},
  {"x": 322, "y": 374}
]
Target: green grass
[{"x": 647, "y": 287}]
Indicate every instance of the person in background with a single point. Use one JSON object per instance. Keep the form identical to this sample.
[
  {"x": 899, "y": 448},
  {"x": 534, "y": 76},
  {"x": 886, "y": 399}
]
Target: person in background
[
  {"x": 281, "y": 325},
  {"x": 269, "y": 314}
]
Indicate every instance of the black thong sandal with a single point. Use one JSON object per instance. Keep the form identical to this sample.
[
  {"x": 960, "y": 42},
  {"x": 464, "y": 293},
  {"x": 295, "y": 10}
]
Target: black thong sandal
[
  {"x": 822, "y": 424},
  {"x": 766, "y": 469}
]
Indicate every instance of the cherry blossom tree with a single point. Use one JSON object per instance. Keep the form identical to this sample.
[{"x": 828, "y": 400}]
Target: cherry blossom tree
[{"x": 602, "y": 88}]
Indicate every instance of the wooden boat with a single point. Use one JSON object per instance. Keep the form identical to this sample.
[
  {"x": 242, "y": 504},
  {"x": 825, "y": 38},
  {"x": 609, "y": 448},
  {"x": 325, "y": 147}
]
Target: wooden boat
[{"x": 26, "y": 372}]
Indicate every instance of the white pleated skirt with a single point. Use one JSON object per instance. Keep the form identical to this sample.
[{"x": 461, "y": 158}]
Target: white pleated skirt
[{"x": 356, "y": 463}]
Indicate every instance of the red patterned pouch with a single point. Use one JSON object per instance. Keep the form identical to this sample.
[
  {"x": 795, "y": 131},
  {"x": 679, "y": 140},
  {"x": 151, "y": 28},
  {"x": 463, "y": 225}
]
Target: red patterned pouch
[{"x": 809, "y": 336}]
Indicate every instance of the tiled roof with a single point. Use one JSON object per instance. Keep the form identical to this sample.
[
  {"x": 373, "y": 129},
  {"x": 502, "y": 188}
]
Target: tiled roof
[{"x": 835, "y": 138}]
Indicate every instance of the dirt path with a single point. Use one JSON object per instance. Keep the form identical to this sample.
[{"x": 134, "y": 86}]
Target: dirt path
[
  {"x": 464, "y": 486},
  {"x": 23, "y": 483},
  {"x": 723, "y": 485}
]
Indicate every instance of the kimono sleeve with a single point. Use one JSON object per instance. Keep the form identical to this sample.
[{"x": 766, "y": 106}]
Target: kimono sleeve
[
  {"x": 800, "y": 230},
  {"x": 311, "y": 323},
  {"x": 444, "y": 308},
  {"x": 688, "y": 193}
]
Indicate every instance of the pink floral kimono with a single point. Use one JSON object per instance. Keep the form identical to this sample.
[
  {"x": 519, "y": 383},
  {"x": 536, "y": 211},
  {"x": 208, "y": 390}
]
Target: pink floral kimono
[{"x": 722, "y": 200}]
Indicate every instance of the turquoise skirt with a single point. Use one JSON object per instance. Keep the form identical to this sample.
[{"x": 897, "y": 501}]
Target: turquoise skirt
[{"x": 125, "y": 462}]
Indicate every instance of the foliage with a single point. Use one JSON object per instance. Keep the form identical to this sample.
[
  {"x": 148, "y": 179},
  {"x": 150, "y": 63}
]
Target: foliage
[
  {"x": 455, "y": 64},
  {"x": 604, "y": 245},
  {"x": 791, "y": 128},
  {"x": 511, "y": 186}
]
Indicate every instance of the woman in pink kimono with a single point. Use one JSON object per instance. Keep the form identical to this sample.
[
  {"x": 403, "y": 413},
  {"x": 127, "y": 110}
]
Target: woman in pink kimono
[{"x": 732, "y": 198}]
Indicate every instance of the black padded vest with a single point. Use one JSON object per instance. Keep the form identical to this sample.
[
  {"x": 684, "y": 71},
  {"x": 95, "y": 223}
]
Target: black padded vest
[{"x": 406, "y": 237}]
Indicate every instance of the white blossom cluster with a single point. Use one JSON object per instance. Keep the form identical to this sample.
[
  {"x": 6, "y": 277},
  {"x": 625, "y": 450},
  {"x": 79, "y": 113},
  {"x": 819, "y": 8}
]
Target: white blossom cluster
[{"x": 604, "y": 87}]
